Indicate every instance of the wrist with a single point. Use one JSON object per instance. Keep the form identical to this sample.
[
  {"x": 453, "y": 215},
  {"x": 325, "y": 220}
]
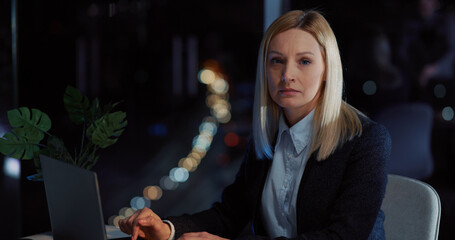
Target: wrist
[{"x": 171, "y": 229}]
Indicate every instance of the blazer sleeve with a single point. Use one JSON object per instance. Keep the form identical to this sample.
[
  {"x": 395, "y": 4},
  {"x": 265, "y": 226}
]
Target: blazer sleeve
[{"x": 228, "y": 217}]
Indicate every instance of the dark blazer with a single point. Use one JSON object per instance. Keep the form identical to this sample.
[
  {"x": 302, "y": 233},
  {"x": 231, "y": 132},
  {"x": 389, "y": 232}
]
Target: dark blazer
[{"x": 338, "y": 198}]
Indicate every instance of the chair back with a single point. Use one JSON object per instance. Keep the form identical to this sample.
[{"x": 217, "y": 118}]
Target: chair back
[
  {"x": 410, "y": 126},
  {"x": 412, "y": 209}
]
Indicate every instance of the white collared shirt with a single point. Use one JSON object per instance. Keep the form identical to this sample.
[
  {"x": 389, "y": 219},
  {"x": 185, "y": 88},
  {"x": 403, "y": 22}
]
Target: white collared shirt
[{"x": 279, "y": 196}]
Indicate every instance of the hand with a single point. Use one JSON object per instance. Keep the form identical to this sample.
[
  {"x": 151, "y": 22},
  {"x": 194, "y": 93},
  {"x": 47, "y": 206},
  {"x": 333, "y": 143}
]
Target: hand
[
  {"x": 145, "y": 224},
  {"x": 200, "y": 236}
]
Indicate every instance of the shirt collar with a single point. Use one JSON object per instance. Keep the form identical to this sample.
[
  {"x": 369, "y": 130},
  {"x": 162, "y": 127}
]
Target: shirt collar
[{"x": 301, "y": 133}]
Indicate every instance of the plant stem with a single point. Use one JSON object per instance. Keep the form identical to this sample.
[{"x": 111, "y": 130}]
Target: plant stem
[
  {"x": 83, "y": 138},
  {"x": 84, "y": 154},
  {"x": 41, "y": 145}
]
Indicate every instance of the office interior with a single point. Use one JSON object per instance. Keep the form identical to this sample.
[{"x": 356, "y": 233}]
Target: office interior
[{"x": 158, "y": 58}]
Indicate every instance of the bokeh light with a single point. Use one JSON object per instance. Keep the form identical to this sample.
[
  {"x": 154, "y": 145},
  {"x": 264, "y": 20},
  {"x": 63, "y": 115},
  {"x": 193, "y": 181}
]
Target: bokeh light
[
  {"x": 207, "y": 76},
  {"x": 212, "y": 99},
  {"x": 110, "y": 220},
  {"x": 218, "y": 101},
  {"x": 220, "y": 86},
  {"x": 189, "y": 163},
  {"x": 196, "y": 156},
  {"x": 231, "y": 139},
  {"x": 447, "y": 113},
  {"x": 12, "y": 168},
  {"x": 369, "y": 87},
  {"x": 208, "y": 127},
  {"x": 199, "y": 152},
  {"x": 153, "y": 192},
  {"x": 225, "y": 117},
  {"x": 178, "y": 174},
  {"x": 167, "y": 184},
  {"x": 439, "y": 90},
  {"x": 202, "y": 142},
  {"x": 139, "y": 203},
  {"x": 126, "y": 212},
  {"x": 117, "y": 219}
]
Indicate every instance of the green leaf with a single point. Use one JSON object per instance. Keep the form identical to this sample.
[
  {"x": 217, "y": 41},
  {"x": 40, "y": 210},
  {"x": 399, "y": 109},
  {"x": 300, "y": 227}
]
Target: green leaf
[
  {"x": 33, "y": 124},
  {"x": 76, "y": 104},
  {"x": 90, "y": 162},
  {"x": 106, "y": 130},
  {"x": 109, "y": 107},
  {"x": 58, "y": 150},
  {"x": 95, "y": 109},
  {"x": 18, "y": 146}
]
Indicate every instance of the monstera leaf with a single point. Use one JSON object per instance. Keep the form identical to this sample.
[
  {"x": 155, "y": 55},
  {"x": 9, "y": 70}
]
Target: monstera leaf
[
  {"x": 17, "y": 146},
  {"x": 77, "y": 105},
  {"x": 31, "y": 125},
  {"x": 57, "y": 149},
  {"x": 106, "y": 130}
]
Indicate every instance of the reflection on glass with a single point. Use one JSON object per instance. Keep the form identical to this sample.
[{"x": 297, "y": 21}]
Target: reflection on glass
[
  {"x": 439, "y": 90},
  {"x": 447, "y": 113},
  {"x": 369, "y": 87}
]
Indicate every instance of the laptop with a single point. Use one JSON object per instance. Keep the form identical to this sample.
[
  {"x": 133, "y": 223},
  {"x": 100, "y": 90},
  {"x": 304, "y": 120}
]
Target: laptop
[{"x": 74, "y": 203}]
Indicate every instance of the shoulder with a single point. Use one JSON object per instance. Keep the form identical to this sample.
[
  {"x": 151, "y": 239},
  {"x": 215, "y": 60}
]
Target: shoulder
[
  {"x": 371, "y": 128},
  {"x": 374, "y": 135}
]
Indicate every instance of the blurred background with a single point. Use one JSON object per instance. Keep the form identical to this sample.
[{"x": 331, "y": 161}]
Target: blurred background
[{"x": 184, "y": 72}]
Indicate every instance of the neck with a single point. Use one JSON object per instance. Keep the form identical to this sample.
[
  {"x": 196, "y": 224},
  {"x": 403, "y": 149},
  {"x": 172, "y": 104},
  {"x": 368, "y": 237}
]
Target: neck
[{"x": 293, "y": 117}]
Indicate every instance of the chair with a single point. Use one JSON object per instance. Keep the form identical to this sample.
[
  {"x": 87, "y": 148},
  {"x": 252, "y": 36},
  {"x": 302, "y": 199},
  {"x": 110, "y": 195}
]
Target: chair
[
  {"x": 412, "y": 209},
  {"x": 410, "y": 126}
]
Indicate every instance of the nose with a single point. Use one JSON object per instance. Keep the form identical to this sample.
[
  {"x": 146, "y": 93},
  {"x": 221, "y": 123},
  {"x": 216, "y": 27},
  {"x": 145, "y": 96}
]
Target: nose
[{"x": 288, "y": 74}]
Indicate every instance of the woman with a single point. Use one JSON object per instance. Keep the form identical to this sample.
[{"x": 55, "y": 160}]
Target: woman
[{"x": 315, "y": 168}]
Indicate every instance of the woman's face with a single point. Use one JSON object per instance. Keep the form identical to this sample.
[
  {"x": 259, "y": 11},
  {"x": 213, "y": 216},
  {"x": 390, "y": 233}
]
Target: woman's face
[{"x": 295, "y": 68}]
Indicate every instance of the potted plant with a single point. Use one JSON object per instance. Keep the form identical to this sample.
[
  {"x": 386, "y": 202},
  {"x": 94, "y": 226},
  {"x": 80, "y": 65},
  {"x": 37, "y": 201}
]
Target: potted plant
[{"x": 30, "y": 136}]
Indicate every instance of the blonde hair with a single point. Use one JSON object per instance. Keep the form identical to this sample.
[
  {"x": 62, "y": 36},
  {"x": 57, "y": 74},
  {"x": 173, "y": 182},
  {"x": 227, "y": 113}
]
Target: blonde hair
[{"x": 335, "y": 121}]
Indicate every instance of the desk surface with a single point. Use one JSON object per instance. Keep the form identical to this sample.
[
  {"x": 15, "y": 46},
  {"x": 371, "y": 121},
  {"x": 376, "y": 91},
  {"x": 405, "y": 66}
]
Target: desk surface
[{"x": 111, "y": 231}]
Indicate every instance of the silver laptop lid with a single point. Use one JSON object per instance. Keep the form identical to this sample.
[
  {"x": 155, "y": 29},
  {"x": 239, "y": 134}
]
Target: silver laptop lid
[{"x": 74, "y": 202}]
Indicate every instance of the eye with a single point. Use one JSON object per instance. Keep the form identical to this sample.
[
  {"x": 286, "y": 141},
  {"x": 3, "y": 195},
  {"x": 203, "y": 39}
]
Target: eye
[
  {"x": 305, "y": 62},
  {"x": 276, "y": 60}
]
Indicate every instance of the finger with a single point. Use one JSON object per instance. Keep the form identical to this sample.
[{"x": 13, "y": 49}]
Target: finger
[
  {"x": 138, "y": 223},
  {"x": 135, "y": 228},
  {"x": 131, "y": 219},
  {"x": 142, "y": 218},
  {"x": 121, "y": 224},
  {"x": 135, "y": 233}
]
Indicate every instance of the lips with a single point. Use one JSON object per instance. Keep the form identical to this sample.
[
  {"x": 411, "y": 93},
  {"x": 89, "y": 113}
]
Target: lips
[{"x": 288, "y": 91}]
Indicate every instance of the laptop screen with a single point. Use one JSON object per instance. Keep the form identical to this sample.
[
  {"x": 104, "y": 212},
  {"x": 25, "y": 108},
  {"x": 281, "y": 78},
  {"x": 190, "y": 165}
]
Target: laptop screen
[{"x": 74, "y": 201}]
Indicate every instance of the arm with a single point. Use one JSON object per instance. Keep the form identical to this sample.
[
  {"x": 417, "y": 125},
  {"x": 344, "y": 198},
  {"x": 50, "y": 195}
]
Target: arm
[{"x": 228, "y": 217}]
